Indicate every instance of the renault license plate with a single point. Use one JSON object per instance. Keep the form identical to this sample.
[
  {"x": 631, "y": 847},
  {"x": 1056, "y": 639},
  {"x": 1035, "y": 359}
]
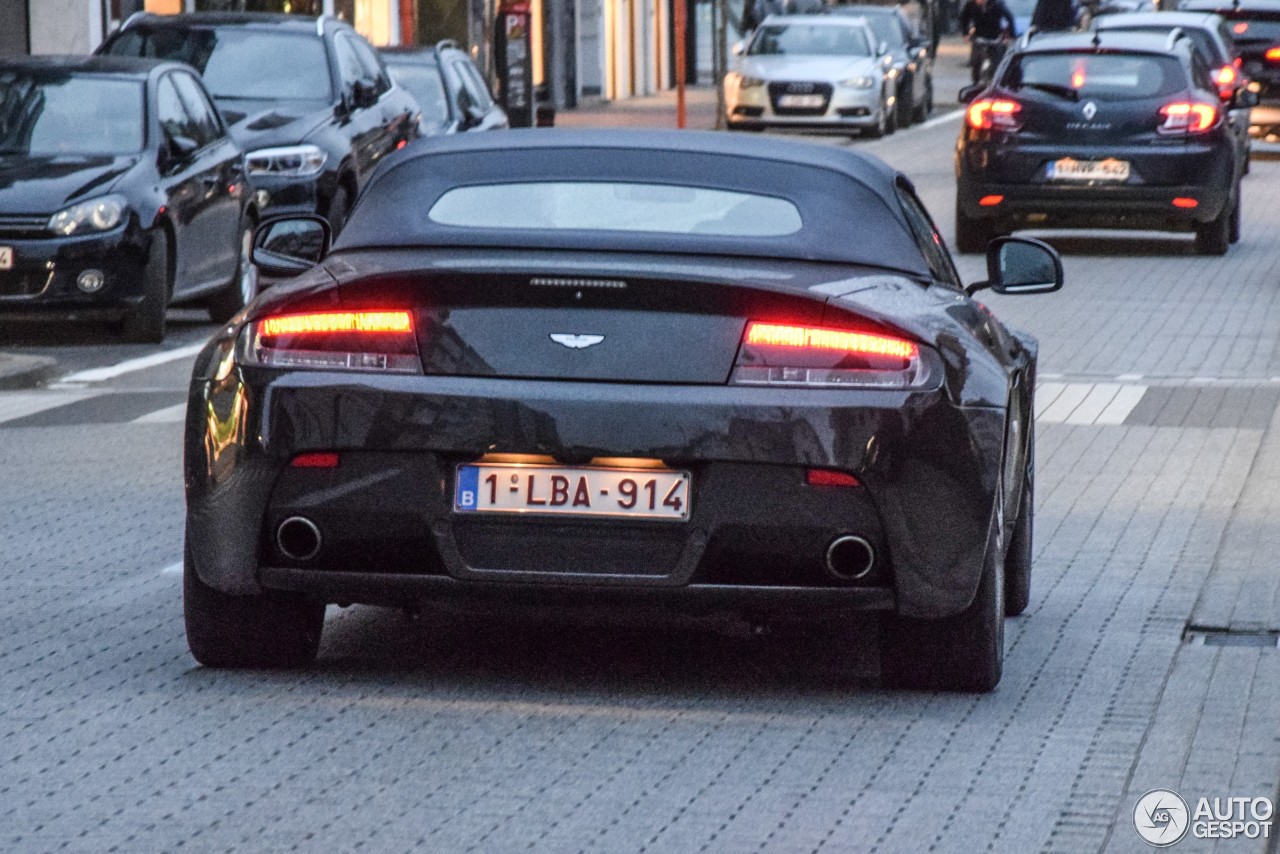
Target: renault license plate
[
  {"x": 1070, "y": 169},
  {"x": 6, "y": 257},
  {"x": 661, "y": 494}
]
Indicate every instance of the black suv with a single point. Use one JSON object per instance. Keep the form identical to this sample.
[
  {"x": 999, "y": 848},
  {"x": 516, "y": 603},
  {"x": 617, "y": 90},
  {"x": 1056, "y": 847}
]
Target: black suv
[
  {"x": 1255, "y": 27},
  {"x": 309, "y": 100},
  {"x": 448, "y": 86},
  {"x": 1099, "y": 130}
]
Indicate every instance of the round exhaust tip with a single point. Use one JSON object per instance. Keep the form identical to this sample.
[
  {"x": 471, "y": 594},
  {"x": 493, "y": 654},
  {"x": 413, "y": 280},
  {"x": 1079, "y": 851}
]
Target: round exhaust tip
[
  {"x": 850, "y": 558},
  {"x": 298, "y": 538}
]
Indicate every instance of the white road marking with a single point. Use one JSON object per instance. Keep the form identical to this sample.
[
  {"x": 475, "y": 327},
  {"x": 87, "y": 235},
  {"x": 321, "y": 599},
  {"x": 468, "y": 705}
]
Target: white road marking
[
  {"x": 20, "y": 404},
  {"x": 168, "y": 415},
  {"x": 172, "y": 569},
  {"x": 95, "y": 375},
  {"x": 1128, "y": 377},
  {"x": 1086, "y": 403},
  {"x": 942, "y": 119}
]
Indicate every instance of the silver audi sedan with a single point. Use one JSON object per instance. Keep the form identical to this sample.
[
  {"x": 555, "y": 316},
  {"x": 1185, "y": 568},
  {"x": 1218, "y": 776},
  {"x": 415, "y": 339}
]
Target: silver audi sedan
[{"x": 812, "y": 72}]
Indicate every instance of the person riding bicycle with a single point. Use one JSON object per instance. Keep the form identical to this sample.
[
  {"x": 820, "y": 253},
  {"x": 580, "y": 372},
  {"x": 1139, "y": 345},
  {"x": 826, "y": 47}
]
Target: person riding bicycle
[{"x": 987, "y": 24}]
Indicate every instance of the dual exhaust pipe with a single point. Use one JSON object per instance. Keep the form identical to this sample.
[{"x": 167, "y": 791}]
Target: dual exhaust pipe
[{"x": 849, "y": 557}]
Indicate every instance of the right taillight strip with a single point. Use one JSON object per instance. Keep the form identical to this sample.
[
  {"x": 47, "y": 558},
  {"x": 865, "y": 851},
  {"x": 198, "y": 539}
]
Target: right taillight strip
[{"x": 786, "y": 354}]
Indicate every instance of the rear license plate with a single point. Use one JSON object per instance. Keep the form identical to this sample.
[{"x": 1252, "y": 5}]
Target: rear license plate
[
  {"x": 630, "y": 493},
  {"x": 6, "y": 257},
  {"x": 1070, "y": 169},
  {"x": 801, "y": 101}
]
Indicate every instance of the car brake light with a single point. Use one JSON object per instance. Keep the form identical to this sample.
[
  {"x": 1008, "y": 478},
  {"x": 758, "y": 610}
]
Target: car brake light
[
  {"x": 1184, "y": 117},
  {"x": 994, "y": 114},
  {"x": 1227, "y": 75},
  {"x": 827, "y": 477},
  {"x": 335, "y": 340},
  {"x": 1273, "y": 54},
  {"x": 782, "y": 354},
  {"x": 315, "y": 460}
]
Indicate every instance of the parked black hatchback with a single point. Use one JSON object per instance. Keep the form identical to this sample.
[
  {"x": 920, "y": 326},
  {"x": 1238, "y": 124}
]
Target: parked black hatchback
[
  {"x": 308, "y": 99},
  {"x": 1099, "y": 130},
  {"x": 120, "y": 190},
  {"x": 450, "y": 90}
]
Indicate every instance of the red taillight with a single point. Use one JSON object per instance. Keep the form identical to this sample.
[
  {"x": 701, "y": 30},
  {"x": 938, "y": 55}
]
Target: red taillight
[
  {"x": 994, "y": 114},
  {"x": 827, "y": 477},
  {"x": 1188, "y": 117},
  {"x": 1273, "y": 54},
  {"x": 1185, "y": 202},
  {"x": 336, "y": 340},
  {"x": 784, "y": 354},
  {"x": 990, "y": 201},
  {"x": 316, "y": 460}
]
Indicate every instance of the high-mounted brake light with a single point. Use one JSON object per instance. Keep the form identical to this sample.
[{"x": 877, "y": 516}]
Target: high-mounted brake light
[
  {"x": 786, "y": 354},
  {"x": 1188, "y": 117},
  {"x": 994, "y": 114},
  {"x": 335, "y": 340}
]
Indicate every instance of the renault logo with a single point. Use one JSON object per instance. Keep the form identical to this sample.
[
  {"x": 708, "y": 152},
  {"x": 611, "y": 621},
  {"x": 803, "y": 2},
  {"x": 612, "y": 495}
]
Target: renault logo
[
  {"x": 576, "y": 342},
  {"x": 1090, "y": 110}
]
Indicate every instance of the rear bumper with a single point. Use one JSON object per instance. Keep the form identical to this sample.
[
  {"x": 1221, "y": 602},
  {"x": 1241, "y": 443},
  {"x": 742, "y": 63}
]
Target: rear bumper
[
  {"x": 928, "y": 469},
  {"x": 1097, "y": 206}
]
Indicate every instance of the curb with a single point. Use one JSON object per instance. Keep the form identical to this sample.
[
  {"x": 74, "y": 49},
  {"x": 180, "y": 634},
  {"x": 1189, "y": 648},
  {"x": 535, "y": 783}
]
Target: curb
[{"x": 19, "y": 372}]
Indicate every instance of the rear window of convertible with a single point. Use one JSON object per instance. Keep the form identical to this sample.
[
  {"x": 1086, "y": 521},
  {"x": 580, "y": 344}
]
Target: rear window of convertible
[{"x": 616, "y": 206}]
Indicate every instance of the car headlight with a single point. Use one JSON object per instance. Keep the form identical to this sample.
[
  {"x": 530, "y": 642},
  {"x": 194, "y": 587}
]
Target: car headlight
[
  {"x": 295, "y": 161},
  {"x": 745, "y": 82},
  {"x": 101, "y": 214},
  {"x": 858, "y": 83}
]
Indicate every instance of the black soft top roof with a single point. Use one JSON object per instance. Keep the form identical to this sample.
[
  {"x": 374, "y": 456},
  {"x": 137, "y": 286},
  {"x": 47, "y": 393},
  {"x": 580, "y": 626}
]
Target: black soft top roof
[{"x": 847, "y": 201}]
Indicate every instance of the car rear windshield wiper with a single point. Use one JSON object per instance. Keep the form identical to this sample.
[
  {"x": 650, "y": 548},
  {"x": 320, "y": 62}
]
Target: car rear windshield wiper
[{"x": 1054, "y": 89}]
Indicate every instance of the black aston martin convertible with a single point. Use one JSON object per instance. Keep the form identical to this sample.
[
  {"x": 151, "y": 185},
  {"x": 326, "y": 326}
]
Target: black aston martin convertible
[{"x": 613, "y": 368}]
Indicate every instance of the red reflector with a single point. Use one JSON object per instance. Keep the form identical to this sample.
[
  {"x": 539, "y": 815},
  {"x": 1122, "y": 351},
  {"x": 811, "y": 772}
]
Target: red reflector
[
  {"x": 401, "y": 144},
  {"x": 317, "y": 460},
  {"x": 827, "y": 477},
  {"x": 990, "y": 201},
  {"x": 1184, "y": 202},
  {"x": 812, "y": 338},
  {"x": 338, "y": 321}
]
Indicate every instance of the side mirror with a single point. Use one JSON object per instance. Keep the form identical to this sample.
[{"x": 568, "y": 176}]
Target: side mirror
[
  {"x": 1021, "y": 265},
  {"x": 968, "y": 93},
  {"x": 175, "y": 150},
  {"x": 364, "y": 94},
  {"x": 285, "y": 246},
  {"x": 1244, "y": 98}
]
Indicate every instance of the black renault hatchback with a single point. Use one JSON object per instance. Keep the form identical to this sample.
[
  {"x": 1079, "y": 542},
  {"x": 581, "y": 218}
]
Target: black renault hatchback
[
  {"x": 1099, "y": 130},
  {"x": 120, "y": 191},
  {"x": 309, "y": 100}
]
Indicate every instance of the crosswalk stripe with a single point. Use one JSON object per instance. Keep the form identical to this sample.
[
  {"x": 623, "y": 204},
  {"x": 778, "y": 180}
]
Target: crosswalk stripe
[
  {"x": 20, "y": 404},
  {"x": 168, "y": 415},
  {"x": 1086, "y": 403},
  {"x": 94, "y": 375}
]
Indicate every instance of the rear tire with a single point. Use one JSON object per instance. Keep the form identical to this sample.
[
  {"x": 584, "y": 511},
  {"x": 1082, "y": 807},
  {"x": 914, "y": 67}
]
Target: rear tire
[
  {"x": 964, "y": 652},
  {"x": 1233, "y": 232},
  {"x": 271, "y": 630},
  {"x": 1017, "y": 562},
  {"x": 972, "y": 235},
  {"x": 1214, "y": 238},
  {"x": 243, "y": 286},
  {"x": 145, "y": 324}
]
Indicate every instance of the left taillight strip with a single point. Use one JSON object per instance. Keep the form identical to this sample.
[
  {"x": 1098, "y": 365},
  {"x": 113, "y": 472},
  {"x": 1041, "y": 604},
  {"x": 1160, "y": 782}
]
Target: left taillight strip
[
  {"x": 371, "y": 322},
  {"x": 370, "y": 340}
]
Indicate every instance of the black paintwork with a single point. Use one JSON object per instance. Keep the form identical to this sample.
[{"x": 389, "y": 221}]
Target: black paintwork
[
  {"x": 199, "y": 199},
  {"x": 1014, "y": 165},
  {"x": 937, "y": 463},
  {"x": 469, "y": 104},
  {"x": 354, "y": 134}
]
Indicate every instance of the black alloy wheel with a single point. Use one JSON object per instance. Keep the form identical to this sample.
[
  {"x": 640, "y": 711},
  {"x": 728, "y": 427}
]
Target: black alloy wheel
[
  {"x": 145, "y": 324},
  {"x": 1214, "y": 237},
  {"x": 243, "y": 286},
  {"x": 1017, "y": 562},
  {"x": 1236, "y": 214},
  {"x": 972, "y": 235}
]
